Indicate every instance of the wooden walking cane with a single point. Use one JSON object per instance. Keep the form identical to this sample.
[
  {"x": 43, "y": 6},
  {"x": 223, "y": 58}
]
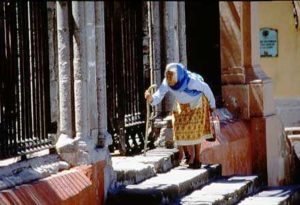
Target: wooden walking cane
[{"x": 147, "y": 120}]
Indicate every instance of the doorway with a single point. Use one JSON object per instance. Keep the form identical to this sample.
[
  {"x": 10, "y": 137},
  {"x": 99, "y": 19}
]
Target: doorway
[{"x": 203, "y": 43}]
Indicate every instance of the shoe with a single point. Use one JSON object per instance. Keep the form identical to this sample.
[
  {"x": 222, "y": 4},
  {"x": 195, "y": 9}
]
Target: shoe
[
  {"x": 195, "y": 165},
  {"x": 210, "y": 139}
]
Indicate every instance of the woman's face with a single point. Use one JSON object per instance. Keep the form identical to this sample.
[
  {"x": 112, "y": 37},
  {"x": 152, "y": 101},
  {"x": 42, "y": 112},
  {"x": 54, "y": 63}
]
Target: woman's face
[{"x": 169, "y": 78}]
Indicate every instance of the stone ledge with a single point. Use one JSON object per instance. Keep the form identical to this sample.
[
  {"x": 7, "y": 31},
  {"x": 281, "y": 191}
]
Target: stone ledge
[
  {"x": 293, "y": 138},
  {"x": 292, "y": 130},
  {"x": 30, "y": 170},
  {"x": 81, "y": 185}
]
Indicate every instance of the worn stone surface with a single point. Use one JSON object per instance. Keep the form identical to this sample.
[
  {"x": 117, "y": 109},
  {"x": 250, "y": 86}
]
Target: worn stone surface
[
  {"x": 259, "y": 148},
  {"x": 53, "y": 65},
  {"x": 261, "y": 99},
  {"x": 131, "y": 170},
  {"x": 165, "y": 138},
  {"x": 277, "y": 153},
  {"x": 230, "y": 36},
  {"x": 289, "y": 111},
  {"x": 296, "y": 146},
  {"x": 275, "y": 196},
  {"x": 236, "y": 100},
  {"x": 164, "y": 132},
  {"x": 224, "y": 191},
  {"x": 83, "y": 185},
  {"x": 233, "y": 78},
  {"x": 292, "y": 130},
  {"x": 30, "y": 170},
  {"x": 232, "y": 149},
  {"x": 166, "y": 187}
]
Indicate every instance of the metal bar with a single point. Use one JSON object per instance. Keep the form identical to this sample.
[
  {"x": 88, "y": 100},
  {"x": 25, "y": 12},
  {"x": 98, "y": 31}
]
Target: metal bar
[
  {"x": 17, "y": 86},
  {"x": 14, "y": 79},
  {"x": 6, "y": 69},
  {"x": 131, "y": 68},
  {"x": 2, "y": 77},
  {"x": 6, "y": 80},
  {"x": 28, "y": 124},
  {"x": 46, "y": 76},
  {"x": 136, "y": 73},
  {"x": 35, "y": 72},
  {"x": 127, "y": 61},
  {"x": 32, "y": 68},
  {"x": 40, "y": 69},
  {"x": 21, "y": 71},
  {"x": 135, "y": 69}
]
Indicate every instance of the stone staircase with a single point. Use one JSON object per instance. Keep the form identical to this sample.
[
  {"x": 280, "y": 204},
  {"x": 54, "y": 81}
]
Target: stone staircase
[{"x": 157, "y": 178}]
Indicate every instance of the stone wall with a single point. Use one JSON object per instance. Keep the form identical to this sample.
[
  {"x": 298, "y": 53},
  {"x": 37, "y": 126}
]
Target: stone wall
[{"x": 289, "y": 111}]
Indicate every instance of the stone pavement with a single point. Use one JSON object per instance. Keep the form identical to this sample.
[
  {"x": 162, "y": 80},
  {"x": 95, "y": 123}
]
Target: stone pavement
[{"x": 157, "y": 178}]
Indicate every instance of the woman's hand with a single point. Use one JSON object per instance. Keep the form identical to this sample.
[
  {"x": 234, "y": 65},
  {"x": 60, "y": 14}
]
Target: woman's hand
[
  {"x": 214, "y": 112},
  {"x": 148, "y": 97}
]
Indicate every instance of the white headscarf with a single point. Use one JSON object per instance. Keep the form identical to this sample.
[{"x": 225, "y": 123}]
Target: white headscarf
[{"x": 172, "y": 68}]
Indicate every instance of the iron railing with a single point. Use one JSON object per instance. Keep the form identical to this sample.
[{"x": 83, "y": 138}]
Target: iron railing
[
  {"x": 24, "y": 78},
  {"x": 125, "y": 75}
]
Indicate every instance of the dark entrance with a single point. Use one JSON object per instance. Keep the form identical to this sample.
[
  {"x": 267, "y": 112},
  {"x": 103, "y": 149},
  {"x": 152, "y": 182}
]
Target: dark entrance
[
  {"x": 125, "y": 75},
  {"x": 203, "y": 42}
]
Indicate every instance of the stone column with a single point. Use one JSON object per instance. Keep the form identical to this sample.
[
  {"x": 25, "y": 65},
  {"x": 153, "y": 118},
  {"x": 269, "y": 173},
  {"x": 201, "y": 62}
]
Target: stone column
[
  {"x": 64, "y": 73},
  {"x": 91, "y": 68},
  {"x": 171, "y": 43},
  {"x": 182, "y": 33},
  {"x": 269, "y": 151},
  {"x": 155, "y": 45},
  {"x": 104, "y": 138},
  {"x": 80, "y": 71},
  {"x": 246, "y": 35}
]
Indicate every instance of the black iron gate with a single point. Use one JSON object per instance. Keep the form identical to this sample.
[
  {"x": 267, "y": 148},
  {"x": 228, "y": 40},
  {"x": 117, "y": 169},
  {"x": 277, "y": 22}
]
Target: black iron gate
[
  {"x": 125, "y": 75},
  {"x": 24, "y": 78}
]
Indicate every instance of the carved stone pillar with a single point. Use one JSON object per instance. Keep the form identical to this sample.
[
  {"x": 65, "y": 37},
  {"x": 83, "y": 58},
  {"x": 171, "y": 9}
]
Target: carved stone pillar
[
  {"x": 104, "y": 138},
  {"x": 182, "y": 32},
  {"x": 65, "y": 78},
  {"x": 80, "y": 71},
  {"x": 90, "y": 34},
  {"x": 155, "y": 44},
  {"x": 171, "y": 43}
]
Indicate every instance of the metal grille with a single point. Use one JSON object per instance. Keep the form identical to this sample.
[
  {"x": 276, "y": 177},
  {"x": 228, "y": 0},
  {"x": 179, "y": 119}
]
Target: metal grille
[
  {"x": 125, "y": 80},
  {"x": 24, "y": 78}
]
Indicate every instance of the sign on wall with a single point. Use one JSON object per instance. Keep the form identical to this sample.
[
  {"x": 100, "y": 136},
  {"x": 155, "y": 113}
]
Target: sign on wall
[{"x": 268, "y": 38}]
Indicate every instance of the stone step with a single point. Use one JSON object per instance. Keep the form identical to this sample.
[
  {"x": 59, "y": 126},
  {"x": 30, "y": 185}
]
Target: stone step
[
  {"x": 275, "y": 196},
  {"x": 223, "y": 191},
  {"x": 292, "y": 130},
  {"x": 132, "y": 170},
  {"x": 166, "y": 187}
]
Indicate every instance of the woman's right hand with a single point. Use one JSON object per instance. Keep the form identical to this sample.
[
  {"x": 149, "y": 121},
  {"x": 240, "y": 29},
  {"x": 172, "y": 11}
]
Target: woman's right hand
[{"x": 148, "y": 96}]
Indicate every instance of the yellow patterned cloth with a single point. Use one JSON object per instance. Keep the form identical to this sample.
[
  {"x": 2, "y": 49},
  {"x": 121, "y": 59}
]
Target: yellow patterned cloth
[{"x": 191, "y": 126}]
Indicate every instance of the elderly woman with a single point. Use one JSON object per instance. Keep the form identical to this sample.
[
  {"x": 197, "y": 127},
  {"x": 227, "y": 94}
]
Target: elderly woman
[{"x": 194, "y": 104}]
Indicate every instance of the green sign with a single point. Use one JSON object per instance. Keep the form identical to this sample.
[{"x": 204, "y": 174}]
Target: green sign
[{"x": 268, "y": 38}]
